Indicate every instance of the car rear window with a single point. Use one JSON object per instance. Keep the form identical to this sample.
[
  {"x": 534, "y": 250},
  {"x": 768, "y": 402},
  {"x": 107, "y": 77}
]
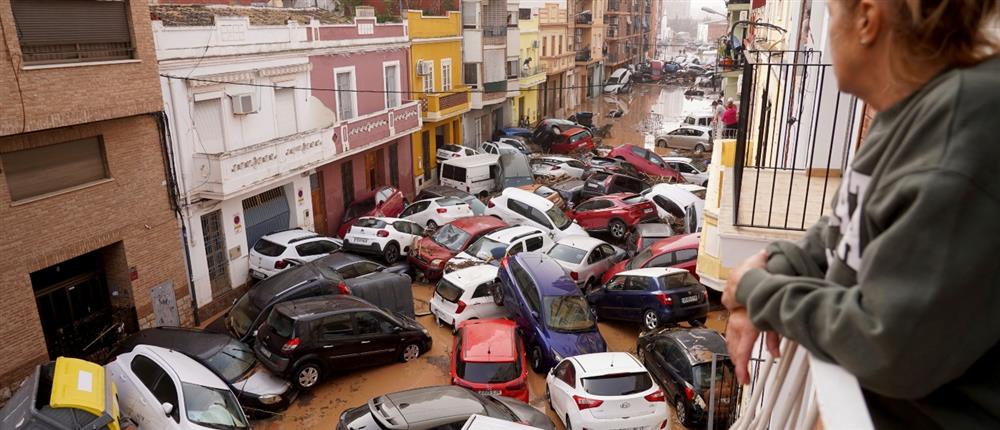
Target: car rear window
[
  {"x": 370, "y": 223},
  {"x": 599, "y": 177},
  {"x": 449, "y": 147},
  {"x": 450, "y": 201},
  {"x": 487, "y": 373},
  {"x": 617, "y": 385},
  {"x": 451, "y": 237},
  {"x": 567, "y": 253},
  {"x": 268, "y": 248},
  {"x": 454, "y": 173},
  {"x": 280, "y": 324},
  {"x": 448, "y": 291},
  {"x": 678, "y": 281}
]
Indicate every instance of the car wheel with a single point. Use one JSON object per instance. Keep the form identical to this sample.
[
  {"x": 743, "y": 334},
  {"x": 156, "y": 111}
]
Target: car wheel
[
  {"x": 431, "y": 225},
  {"x": 391, "y": 253},
  {"x": 681, "y": 411},
  {"x": 410, "y": 352},
  {"x": 649, "y": 320},
  {"x": 699, "y": 149},
  {"x": 497, "y": 294},
  {"x": 307, "y": 375},
  {"x": 617, "y": 228},
  {"x": 661, "y": 143},
  {"x": 536, "y": 360}
]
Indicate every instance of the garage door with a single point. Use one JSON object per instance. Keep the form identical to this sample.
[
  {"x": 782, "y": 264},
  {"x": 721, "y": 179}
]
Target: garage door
[{"x": 266, "y": 212}]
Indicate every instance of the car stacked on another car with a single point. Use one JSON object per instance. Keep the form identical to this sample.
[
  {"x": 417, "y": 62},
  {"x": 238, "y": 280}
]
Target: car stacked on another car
[
  {"x": 275, "y": 252},
  {"x": 647, "y": 162},
  {"x": 488, "y": 357},
  {"x": 689, "y": 137},
  {"x": 448, "y": 151},
  {"x": 601, "y": 183},
  {"x": 466, "y": 294},
  {"x": 693, "y": 171},
  {"x": 611, "y": 165},
  {"x": 492, "y": 247},
  {"x": 652, "y": 296},
  {"x": 520, "y": 207},
  {"x": 545, "y": 191},
  {"x": 615, "y": 213},
  {"x": 674, "y": 201},
  {"x": 585, "y": 258},
  {"x": 437, "y": 211},
  {"x": 572, "y": 141},
  {"x": 431, "y": 253},
  {"x": 478, "y": 207},
  {"x": 308, "y": 338},
  {"x": 644, "y": 235},
  {"x": 384, "y": 202},
  {"x": 679, "y": 251},
  {"x": 390, "y": 238}
]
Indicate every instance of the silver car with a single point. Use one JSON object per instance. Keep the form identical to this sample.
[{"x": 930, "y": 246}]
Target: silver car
[{"x": 690, "y": 137}]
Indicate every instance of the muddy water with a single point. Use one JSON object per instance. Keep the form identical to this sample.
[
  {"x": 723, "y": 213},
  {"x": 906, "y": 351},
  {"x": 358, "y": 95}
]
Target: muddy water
[{"x": 321, "y": 408}]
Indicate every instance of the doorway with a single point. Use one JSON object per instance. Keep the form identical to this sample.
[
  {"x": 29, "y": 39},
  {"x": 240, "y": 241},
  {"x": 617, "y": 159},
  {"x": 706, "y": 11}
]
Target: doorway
[
  {"x": 318, "y": 210},
  {"x": 425, "y": 146},
  {"x": 497, "y": 120},
  {"x": 215, "y": 253},
  {"x": 371, "y": 168},
  {"x": 264, "y": 213}
]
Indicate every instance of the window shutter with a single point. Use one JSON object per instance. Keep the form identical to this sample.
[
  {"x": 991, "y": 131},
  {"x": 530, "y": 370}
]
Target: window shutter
[{"x": 58, "y": 31}]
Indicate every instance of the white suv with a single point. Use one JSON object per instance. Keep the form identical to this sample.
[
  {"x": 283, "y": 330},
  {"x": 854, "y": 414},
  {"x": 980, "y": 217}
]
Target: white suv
[
  {"x": 503, "y": 242},
  {"x": 389, "y": 237},
  {"x": 520, "y": 207},
  {"x": 606, "y": 390},
  {"x": 437, "y": 211},
  {"x": 693, "y": 171},
  {"x": 465, "y": 294},
  {"x": 272, "y": 252}
]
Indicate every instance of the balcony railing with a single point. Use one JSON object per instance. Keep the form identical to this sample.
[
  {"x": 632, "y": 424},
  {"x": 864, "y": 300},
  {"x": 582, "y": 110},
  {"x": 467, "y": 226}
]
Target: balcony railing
[
  {"x": 795, "y": 134},
  {"x": 583, "y": 55},
  {"x": 494, "y": 34},
  {"x": 530, "y": 71},
  {"x": 436, "y": 106}
]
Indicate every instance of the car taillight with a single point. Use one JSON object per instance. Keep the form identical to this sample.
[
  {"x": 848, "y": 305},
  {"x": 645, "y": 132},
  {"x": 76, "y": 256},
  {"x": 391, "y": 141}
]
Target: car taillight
[
  {"x": 280, "y": 264},
  {"x": 585, "y": 403},
  {"x": 342, "y": 287},
  {"x": 461, "y": 307},
  {"x": 656, "y": 396},
  {"x": 664, "y": 299},
  {"x": 490, "y": 204},
  {"x": 574, "y": 275},
  {"x": 688, "y": 392},
  {"x": 455, "y": 155},
  {"x": 442, "y": 210},
  {"x": 290, "y": 345},
  {"x": 383, "y": 233},
  {"x": 503, "y": 263}
]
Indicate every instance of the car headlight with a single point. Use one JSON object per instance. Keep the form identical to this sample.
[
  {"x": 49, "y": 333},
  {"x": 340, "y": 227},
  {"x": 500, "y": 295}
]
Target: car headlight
[
  {"x": 436, "y": 261},
  {"x": 269, "y": 399}
]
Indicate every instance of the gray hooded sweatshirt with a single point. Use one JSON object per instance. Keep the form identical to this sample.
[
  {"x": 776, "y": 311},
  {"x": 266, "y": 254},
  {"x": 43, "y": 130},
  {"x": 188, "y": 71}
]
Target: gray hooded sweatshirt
[{"x": 899, "y": 283}]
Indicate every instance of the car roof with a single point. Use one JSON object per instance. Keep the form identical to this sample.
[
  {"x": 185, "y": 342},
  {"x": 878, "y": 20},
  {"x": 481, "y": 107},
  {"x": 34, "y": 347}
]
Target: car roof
[
  {"x": 653, "y": 229},
  {"x": 696, "y": 127},
  {"x": 548, "y": 275},
  {"x": 678, "y": 159},
  {"x": 489, "y": 341},
  {"x": 680, "y": 196},
  {"x": 572, "y": 131},
  {"x": 420, "y": 406},
  {"x": 680, "y": 241},
  {"x": 337, "y": 260},
  {"x": 555, "y": 158},
  {"x": 198, "y": 343},
  {"x": 186, "y": 368},
  {"x": 309, "y": 308},
  {"x": 604, "y": 363},
  {"x": 617, "y": 197},
  {"x": 700, "y": 344},
  {"x": 580, "y": 241},
  {"x": 471, "y": 277},
  {"x": 444, "y": 190},
  {"x": 528, "y": 197},
  {"x": 475, "y": 224},
  {"x": 652, "y": 272},
  {"x": 473, "y": 160},
  {"x": 618, "y": 72},
  {"x": 690, "y": 187},
  {"x": 388, "y": 220},
  {"x": 509, "y": 234},
  {"x": 287, "y": 237}
]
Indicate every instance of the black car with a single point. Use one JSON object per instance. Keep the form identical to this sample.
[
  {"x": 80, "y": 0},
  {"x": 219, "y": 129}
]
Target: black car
[
  {"x": 680, "y": 360},
  {"x": 317, "y": 278},
  {"x": 644, "y": 235},
  {"x": 601, "y": 183},
  {"x": 308, "y": 338},
  {"x": 610, "y": 165},
  {"x": 439, "y": 407},
  {"x": 352, "y": 265},
  {"x": 258, "y": 390},
  {"x": 435, "y": 191}
]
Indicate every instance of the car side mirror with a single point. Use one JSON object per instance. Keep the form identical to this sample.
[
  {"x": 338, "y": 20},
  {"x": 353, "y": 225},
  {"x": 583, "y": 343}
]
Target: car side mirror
[
  {"x": 534, "y": 315},
  {"x": 397, "y": 329},
  {"x": 168, "y": 408}
]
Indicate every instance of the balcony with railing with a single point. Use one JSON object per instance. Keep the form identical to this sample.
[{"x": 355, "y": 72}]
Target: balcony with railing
[
  {"x": 494, "y": 34},
  {"x": 583, "y": 55},
  {"x": 531, "y": 76},
  {"x": 439, "y": 106}
]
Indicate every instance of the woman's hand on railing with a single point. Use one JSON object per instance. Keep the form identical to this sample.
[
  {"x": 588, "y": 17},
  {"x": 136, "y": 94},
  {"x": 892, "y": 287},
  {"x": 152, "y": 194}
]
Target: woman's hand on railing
[{"x": 740, "y": 331}]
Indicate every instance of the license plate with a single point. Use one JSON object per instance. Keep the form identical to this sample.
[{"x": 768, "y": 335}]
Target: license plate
[
  {"x": 490, "y": 392},
  {"x": 689, "y": 299},
  {"x": 264, "y": 351},
  {"x": 648, "y": 210},
  {"x": 360, "y": 241},
  {"x": 257, "y": 274}
]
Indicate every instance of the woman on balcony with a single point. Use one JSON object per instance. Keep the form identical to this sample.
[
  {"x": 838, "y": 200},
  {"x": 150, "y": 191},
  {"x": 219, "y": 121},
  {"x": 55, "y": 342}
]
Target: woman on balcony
[{"x": 900, "y": 282}]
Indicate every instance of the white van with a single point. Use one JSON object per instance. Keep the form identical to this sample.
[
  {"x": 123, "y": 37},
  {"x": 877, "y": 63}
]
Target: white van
[{"x": 474, "y": 174}]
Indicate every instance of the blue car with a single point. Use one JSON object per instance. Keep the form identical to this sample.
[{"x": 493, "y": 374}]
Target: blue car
[
  {"x": 653, "y": 296},
  {"x": 549, "y": 309}
]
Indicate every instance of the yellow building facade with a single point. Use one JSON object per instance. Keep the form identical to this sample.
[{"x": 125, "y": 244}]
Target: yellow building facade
[
  {"x": 531, "y": 75},
  {"x": 436, "y": 81}
]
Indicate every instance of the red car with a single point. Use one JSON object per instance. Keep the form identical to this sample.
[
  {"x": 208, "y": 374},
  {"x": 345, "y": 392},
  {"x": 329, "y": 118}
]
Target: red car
[
  {"x": 488, "y": 357},
  {"x": 677, "y": 251},
  {"x": 573, "y": 140},
  {"x": 385, "y": 201},
  {"x": 430, "y": 254},
  {"x": 646, "y": 161},
  {"x": 614, "y": 213}
]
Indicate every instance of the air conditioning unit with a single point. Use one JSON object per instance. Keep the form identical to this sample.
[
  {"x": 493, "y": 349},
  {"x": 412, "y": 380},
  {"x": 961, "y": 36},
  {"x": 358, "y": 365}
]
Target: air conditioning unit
[
  {"x": 425, "y": 68},
  {"x": 534, "y": 44},
  {"x": 244, "y": 104}
]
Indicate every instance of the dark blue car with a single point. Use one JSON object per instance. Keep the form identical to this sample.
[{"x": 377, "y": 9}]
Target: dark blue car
[
  {"x": 653, "y": 296},
  {"x": 547, "y": 306}
]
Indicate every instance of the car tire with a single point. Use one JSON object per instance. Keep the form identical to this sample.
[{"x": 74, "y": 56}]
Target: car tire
[
  {"x": 497, "y": 294},
  {"x": 699, "y": 149},
  {"x": 431, "y": 225},
  {"x": 617, "y": 229},
  {"x": 409, "y": 352},
  {"x": 537, "y": 360},
  {"x": 307, "y": 375},
  {"x": 391, "y": 253},
  {"x": 650, "y": 321},
  {"x": 681, "y": 412},
  {"x": 661, "y": 143}
]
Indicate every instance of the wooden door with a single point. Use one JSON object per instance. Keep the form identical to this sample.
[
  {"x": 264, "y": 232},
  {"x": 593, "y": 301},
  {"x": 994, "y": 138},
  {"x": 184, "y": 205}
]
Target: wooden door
[
  {"x": 319, "y": 210},
  {"x": 371, "y": 170}
]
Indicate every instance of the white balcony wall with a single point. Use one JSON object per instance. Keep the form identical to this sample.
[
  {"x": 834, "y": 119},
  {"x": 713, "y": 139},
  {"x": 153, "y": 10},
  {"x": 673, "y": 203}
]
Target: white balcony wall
[
  {"x": 472, "y": 46},
  {"x": 513, "y": 42}
]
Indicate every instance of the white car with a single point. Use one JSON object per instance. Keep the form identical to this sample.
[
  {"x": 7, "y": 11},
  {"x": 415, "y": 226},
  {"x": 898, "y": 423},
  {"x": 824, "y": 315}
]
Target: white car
[
  {"x": 558, "y": 167},
  {"x": 165, "y": 390},
  {"x": 465, "y": 294},
  {"x": 519, "y": 207},
  {"x": 448, "y": 151},
  {"x": 275, "y": 252},
  {"x": 389, "y": 237},
  {"x": 693, "y": 171},
  {"x": 437, "y": 211},
  {"x": 619, "y": 81},
  {"x": 605, "y": 391},
  {"x": 585, "y": 259},
  {"x": 501, "y": 243},
  {"x": 698, "y": 190},
  {"x": 673, "y": 201},
  {"x": 483, "y": 422},
  {"x": 498, "y": 148}
]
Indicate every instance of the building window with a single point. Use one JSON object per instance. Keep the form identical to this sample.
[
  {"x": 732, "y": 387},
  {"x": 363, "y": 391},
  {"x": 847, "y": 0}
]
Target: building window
[
  {"x": 73, "y": 31},
  {"x": 446, "y": 74},
  {"x": 470, "y": 73},
  {"x": 524, "y": 13},
  {"x": 347, "y": 181},
  {"x": 512, "y": 69},
  {"x": 429, "y": 79},
  {"x": 208, "y": 125},
  {"x": 469, "y": 8},
  {"x": 51, "y": 168},
  {"x": 347, "y": 102},
  {"x": 394, "y": 164},
  {"x": 545, "y": 46},
  {"x": 284, "y": 106},
  {"x": 560, "y": 44},
  {"x": 391, "y": 78}
]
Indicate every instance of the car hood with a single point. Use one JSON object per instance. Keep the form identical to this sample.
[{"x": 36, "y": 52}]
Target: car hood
[
  {"x": 574, "y": 229},
  {"x": 261, "y": 382},
  {"x": 429, "y": 250},
  {"x": 570, "y": 344},
  {"x": 526, "y": 414}
]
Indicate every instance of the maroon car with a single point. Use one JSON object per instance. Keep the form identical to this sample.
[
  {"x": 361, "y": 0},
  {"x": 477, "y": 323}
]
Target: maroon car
[
  {"x": 573, "y": 141},
  {"x": 646, "y": 161},
  {"x": 614, "y": 213},
  {"x": 430, "y": 254}
]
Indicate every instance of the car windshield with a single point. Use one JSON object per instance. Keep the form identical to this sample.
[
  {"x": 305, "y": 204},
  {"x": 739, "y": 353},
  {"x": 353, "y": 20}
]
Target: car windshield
[
  {"x": 567, "y": 253},
  {"x": 701, "y": 165},
  {"x": 268, "y": 248},
  {"x": 568, "y": 314},
  {"x": 213, "y": 407},
  {"x": 611, "y": 81},
  {"x": 484, "y": 247},
  {"x": 544, "y": 191},
  {"x": 487, "y": 373},
  {"x": 451, "y": 237},
  {"x": 448, "y": 291},
  {"x": 477, "y": 206},
  {"x": 639, "y": 259},
  {"x": 678, "y": 281},
  {"x": 242, "y": 315},
  {"x": 450, "y": 147},
  {"x": 359, "y": 208},
  {"x": 621, "y": 384},
  {"x": 232, "y": 361},
  {"x": 559, "y": 219},
  {"x": 515, "y": 166}
]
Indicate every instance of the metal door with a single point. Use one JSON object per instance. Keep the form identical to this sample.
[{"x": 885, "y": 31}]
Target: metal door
[
  {"x": 266, "y": 212},
  {"x": 165, "y": 305},
  {"x": 215, "y": 253},
  {"x": 75, "y": 315}
]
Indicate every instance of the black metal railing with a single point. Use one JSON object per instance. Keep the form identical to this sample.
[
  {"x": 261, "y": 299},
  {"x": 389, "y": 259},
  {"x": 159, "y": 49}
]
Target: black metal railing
[
  {"x": 583, "y": 54},
  {"x": 796, "y": 132}
]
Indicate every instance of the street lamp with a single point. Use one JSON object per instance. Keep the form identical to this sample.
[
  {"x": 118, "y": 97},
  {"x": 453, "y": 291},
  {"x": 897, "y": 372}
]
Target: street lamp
[{"x": 707, "y": 9}]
